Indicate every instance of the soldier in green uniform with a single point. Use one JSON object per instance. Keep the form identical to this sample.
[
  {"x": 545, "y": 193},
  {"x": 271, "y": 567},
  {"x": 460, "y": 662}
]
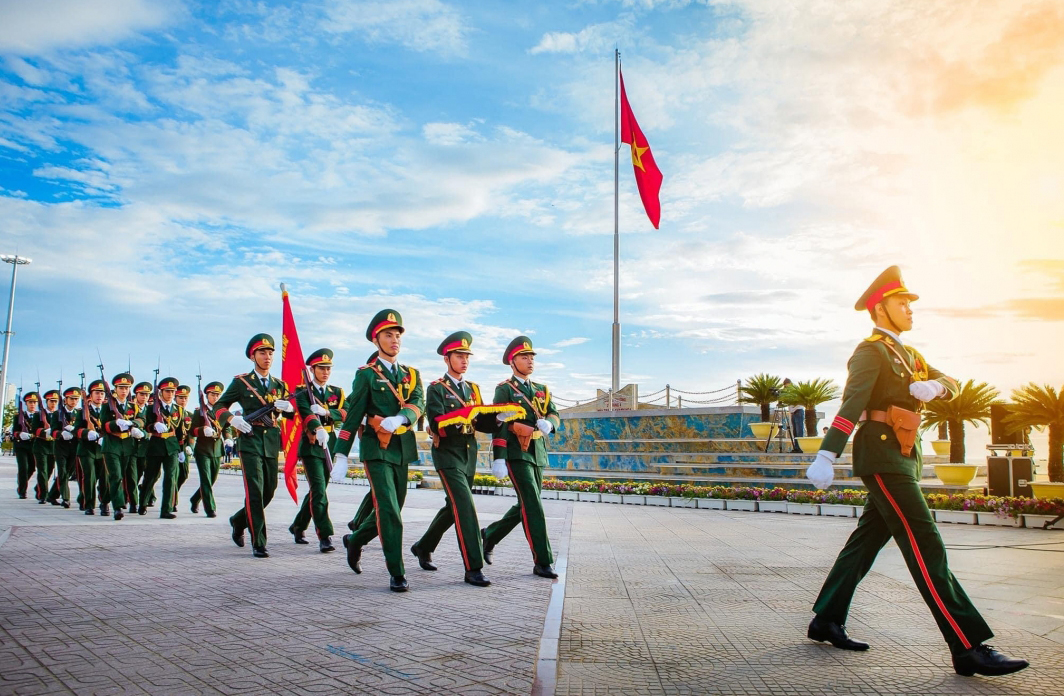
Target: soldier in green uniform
[
  {"x": 888, "y": 384},
  {"x": 520, "y": 450},
  {"x": 66, "y": 444},
  {"x": 142, "y": 391},
  {"x": 163, "y": 423},
  {"x": 44, "y": 443},
  {"x": 454, "y": 456},
  {"x": 184, "y": 438},
  {"x": 260, "y": 438},
  {"x": 122, "y": 428},
  {"x": 365, "y": 508},
  {"x": 208, "y": 434},
  {"x": 319, "y": 421},
  {"x": 22, "y": 432},
  {"x": 390, "y": 397},
  {"x": 88, "y": 431}
]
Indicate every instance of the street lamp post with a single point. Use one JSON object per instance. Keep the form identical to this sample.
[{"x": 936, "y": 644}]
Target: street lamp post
[{"x": 15, "y": 262}]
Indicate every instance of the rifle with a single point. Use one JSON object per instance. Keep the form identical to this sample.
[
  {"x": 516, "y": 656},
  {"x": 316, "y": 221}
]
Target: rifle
[
  {"x": 155, "y": 407},
  {"x": 41, "y": 410},
  {"x": 204, "y": 413},
  {"x": 62, "y": 406},
  {"x": 308, "y": 379},
  {"x": 22, "y": 425},
  {"x": 112, "y": 402}
]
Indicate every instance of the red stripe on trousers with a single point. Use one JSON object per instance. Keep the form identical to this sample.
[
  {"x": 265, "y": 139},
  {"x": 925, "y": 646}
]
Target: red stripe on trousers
[
  {"x": 376, "y": 508},
  {"x": 524, "y": 515},
  {"x": 923, "y": 568},
  {"x": 457, "y": 524},
  {"x": 247, "y": 503}
]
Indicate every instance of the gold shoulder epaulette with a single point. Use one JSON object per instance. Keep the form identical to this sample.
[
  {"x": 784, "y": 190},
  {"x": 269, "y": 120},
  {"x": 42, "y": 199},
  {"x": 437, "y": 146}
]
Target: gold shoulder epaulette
[
  {"x": 875, "y": 337},
  {"x": 438, "y": 381},
  {"x": 366, "y": 367}
]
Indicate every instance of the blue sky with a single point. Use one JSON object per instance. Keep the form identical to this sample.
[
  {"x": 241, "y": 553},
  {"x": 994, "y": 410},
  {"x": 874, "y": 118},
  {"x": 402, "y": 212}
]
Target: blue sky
[{"x": 167, "y": 164}]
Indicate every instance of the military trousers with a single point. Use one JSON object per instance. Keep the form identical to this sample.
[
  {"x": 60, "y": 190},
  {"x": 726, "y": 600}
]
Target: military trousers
[
  {"x": 365, "y": 511},
  {"x": 26, "y": 466},
  {"x": 528, "y": 512},
  {"x": 94, "y": 481},
  {"x": 896, "y": 509},
  {"x": 260, "y": 483},
  {"x": 457, "y": 505},
  {"x": 166, "y": 465},
  {"x": 316, "y": 501},
  {"x": 207, "y": 465},
  {"x": 65, "y": 469},
  {"x": 388, "y": 487},
  {"x": 121, "y": 473},
  {"x": 183, "y": 468},
  {"x": 45, "y": 467}
]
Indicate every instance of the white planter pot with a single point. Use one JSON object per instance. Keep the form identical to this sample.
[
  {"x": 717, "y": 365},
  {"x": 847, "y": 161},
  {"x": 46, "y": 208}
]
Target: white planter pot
[
  {"x": 710, "y": 503},
  {"x": 743, "y": 505},
  {"x": 634, "y": 499},
  {"x": 568, "y": 495},
  {"x": 803, "y": 509},
  {"x": 772, "y": 506},
  {"x": 832, "y": 510},
  {"x": 1036, "y": 521},
  {"x": 659, "y": 500},
  {"x": 991, "y": 519},
  {"x": 588, "y": 497},
  {"x": 682, "y": 502},
  {"x": 546, "y": 495},
  {"x": 955, "y": 517},
  {"x": 610, "y": 497},
  {"x": 411, "y": 484},
  {"x": 499, "y": 490},
  {"x": 509, "y": 492}
]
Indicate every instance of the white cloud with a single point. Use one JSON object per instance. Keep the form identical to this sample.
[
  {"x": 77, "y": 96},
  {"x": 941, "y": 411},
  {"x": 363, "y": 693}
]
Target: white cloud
[
  {"x": 419, "y": 25},
  {"x": 575, "y": 341},
  {"x": 33, "y": 28},
  {"x": 594, "y": 38}
]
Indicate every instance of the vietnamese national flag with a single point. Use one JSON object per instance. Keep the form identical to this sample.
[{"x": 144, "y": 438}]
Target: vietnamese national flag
[
  {"x": 292, "y": 374},
  {"x": 647, "y": 175}
]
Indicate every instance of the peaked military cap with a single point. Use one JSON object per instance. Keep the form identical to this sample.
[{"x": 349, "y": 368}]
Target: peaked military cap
[
  {"x": 51, "y": 394},
  {"x": 31, "y": 396},
  {"x": 260, "y": 341},
  {"x": 122, "y": 379},
  {"x": 97, "y": 385},
  {"x": 142, "y": 388},
  {"x": 72, "y": 391},
  {"x": 521, "y": 344},
  {"x": 458, "y": 342},
  {"x": 183, "y": 390},
  {"x": 214, "y": 388},
  {"x": 322, "y": 356},
  {"x": 168, "y": 383},
  {"x": 384, "y": 319},
  {"x": 887, "y": 284}
]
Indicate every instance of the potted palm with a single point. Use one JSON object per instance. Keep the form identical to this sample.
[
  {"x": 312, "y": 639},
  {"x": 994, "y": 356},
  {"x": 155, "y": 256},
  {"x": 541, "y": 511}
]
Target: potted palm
[
  {"x": 971, "y": 405},
  {"x": 1042, "y": 407},
  {"x": 941, "y": 445},
  {"x": 809, "y": 395},
  {"x": 764, "y": 390}
]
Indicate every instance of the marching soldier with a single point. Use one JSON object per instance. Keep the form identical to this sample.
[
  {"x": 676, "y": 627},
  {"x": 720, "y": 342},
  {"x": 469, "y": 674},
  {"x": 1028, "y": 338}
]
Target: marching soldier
[
  {"x": 319, "y": 419},
  {"x": 184, "y": 438},
  {"x": 44, "y": 443},
  {"x": 22, "y": 432},
  {"x": 122, "y": 428},
  {"x": 89, "y": 430},
  {"x": 454, "y": 456},
  {"x": 141, "y": 393},
  {"x": 262, "y": 397},
  {"x": 390, "y": 397},
  {"x": 887, "y": 386},
  {"x": 365, "y": 508},
  {"x": 208, "y": 434},
  {"x": 66, "y": 444},
  {"x": 164, "y": 423},
  {"x": 520, "y": 450}
]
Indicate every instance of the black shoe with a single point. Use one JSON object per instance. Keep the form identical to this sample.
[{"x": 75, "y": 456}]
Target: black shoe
[
  {"x": 260, "y": 552},
  {"x": 21, "y": 496},
  {"x": 212, "y": 513},
  {"x": 325, "y": 545},
  {"x": 66, "y": 505},
  {"x": 830, "y": 632},
  {"x": 142, "y": 510},
  {"x": 398, "y": 584},
  {"x": 300, "y": 538},
  {"x": 195, "y": 509},
  {"x": 544, "y": 571},
  {"x": 167, "y": 516},
  {"x": 354, "y": 554},
  {"x": 475, "y": 577},
  {"x": 90, "y": 511},
  {"x": 54, "y": 502},
  {"x": 983, "y": 659},
  {"x": 487, "y": 549},
  {"x": 351, "y": 526},
  {"x": 119, "y": 515},
  {"x": 132, "y": 508},
  {"x": 237, "y": 535},
  {"x": 424, "y": 558},
  {"x": 105, "y": 510},
  {"x": 42, "y": 502}
]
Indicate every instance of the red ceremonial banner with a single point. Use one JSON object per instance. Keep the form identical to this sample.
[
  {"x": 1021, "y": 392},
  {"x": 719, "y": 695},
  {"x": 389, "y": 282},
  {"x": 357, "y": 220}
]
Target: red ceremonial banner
[
  {"x": 292, "y": 374},
  {"x": 647, "y": 175}
]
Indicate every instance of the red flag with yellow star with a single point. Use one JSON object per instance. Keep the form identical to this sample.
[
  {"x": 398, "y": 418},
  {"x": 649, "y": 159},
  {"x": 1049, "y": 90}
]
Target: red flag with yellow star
[
  {"x": 647, "y": 175},
  {"x": 293, "y": 373}
]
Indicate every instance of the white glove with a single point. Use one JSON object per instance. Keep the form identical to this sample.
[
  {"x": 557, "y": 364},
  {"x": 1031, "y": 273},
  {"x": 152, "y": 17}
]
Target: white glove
[
  {"x": 67, "y": 435},
  {"x": 240, "y": 424},
  {"x": 228, "y": 442},
  {"x": 137, "y": 433},
  {"x": 339, "y": 472},
  {"x": 498, "y": 469},
  {"x": 160, "y": 427},
  {"x": 822, "y": 472},
  {"x": 68, "y": 428},
  {"x": 25, "y": 436},
  {"x": 319, "y": 410},
  {"x": 93, "y": 436},
  {"x": 100, "y": 442},
  {"x": 501, "y": 418},
  {"x": 188, "y": 449},
  {"x": 545, "y": 426},
  {"x": 208, "y": 431},
  {"x": 47, "y": 432},
  {"x": 180, "y": 457},
  {"x": 926, "y": 391},
  {"x": 340, "y": 462},
  {"x": 322, "y": 437},
  {"x": 123, "y": 424},
  {"x": 392, "y": 423},
  {"x": 283, "y": 405}
]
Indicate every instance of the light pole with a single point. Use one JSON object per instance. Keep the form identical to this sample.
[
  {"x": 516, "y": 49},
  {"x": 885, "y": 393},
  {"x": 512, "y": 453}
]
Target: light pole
[{"x": 15, "y": 262}]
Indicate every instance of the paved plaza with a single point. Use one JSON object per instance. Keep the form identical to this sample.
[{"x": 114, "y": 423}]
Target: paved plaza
[{"x": 656, "y": 601}]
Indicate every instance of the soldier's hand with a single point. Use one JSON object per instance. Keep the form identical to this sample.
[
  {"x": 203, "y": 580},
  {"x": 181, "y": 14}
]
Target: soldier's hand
[
  {"x": 69, "y": 428},
  {"x": 319, "y": 410},
  {"x": 822, "y": 471},
  {"x": 240, "y": 424},
  {"x": 340, "y": 460},
  {"x": 498, "y": 469},
  {"x": 137, "y": 433},
  {"x": 188, "y": 450},
  {"x": 392, "y": 423},
  {"x": 93, "y": 436},
  {"x": 228, "y": 442},
  {"x": 545, "y": 426},
  {"x": 180, "y": 457},
  {"x": 24, "y": 436},
  {"x": 283, "y": 405},
  {"x": 66, "y": 435},
  {"x": 123, "y": 424},
  {"x": 926, "y": 391},
  {"x": 47, "y": 432},
  {"x": 322, "y": 437},
  {"x": 160, "y": 427},
  {"x": 208, "y": 431}
]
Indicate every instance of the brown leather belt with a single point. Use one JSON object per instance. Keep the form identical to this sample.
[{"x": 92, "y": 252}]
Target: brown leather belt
[{"x": 877, "y": 416}]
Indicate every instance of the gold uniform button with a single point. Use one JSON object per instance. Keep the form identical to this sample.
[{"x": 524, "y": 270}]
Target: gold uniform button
[{"x": 882, "y": 437}]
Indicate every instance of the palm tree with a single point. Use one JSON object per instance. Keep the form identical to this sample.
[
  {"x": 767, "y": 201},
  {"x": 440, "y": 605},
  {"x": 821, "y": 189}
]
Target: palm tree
[
  {"x": 763, "y": 390},
  {"x": 809, "y": 395},
  {"x": 971, "y": 405},
  {"x": 1038, "y": 407}
]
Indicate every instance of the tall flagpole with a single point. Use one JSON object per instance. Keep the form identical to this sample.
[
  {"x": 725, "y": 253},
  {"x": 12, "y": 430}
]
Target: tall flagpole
[{"x": 616, "y": 384}]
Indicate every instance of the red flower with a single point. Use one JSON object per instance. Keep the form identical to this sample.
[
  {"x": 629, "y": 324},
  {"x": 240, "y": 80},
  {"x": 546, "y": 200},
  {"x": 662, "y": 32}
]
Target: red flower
[{"x": 540, "y": 395}]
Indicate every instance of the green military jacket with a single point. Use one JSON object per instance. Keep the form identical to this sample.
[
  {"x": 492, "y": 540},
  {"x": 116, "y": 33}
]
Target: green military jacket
[
  {"x": 536, "y": 400},
  {"x": 167, "y": 443},
  {"x": 455, "y": 446},
  {"x": 20, "y": 444},
  {"x": 880, "y": 372},
  {"x": 89, "y": 420},
  {"x": 332, "y": 399},
  {"x": 43, "y": 434},
  {"x": 377, "y": 390},
  {"x": 140, "y": 448},
  {"x": 115, "y": 441},
  {"x": 71, "y": 417},
  {"x": 207, "y": 445},
  {"x": 247, "y": 390}
]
